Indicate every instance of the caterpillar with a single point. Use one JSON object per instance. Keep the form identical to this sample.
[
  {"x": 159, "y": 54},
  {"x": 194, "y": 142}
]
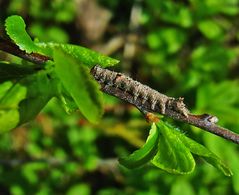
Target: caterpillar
[{"x": 142, "y": 96}]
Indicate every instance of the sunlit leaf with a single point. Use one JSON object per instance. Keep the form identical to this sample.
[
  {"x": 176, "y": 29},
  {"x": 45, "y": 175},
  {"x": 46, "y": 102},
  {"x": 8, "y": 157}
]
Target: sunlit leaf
[
  {"x": 83, "y": 55},
  {"x": 75, "y": 189},
  {"x": 210, "y": 29},
  {"x": 169, "y": 39},
  {"x": 144, "y": 154},
  {"x": 79, "y": 83},
  {"x": 167, "y": 10},
  {"x": 4, "y": 87},
  {"x": 15, "y": 28},
  {"x": 172, "y": 156},
  {"x": 205, "y": 153},
  {"x": 11, "y": 95}
]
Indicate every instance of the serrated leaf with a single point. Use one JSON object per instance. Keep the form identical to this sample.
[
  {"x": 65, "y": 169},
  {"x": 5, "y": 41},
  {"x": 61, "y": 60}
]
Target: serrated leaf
[
  {"x": 15, "y": 28},
  {"x": 83, "y": 55},
  {"x": 144, "y": 154},
  {"x": 172, "y": 156},
  {"x": 11, "y": 95},
  {"x": 14, "y": 71},
  {"x": 206, "y": 154},
  {"x": 79, "y": 83}
]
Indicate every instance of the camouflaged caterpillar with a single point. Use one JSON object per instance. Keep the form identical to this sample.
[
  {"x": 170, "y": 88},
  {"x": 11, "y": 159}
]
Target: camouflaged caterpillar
[{"x": 110, "y": 79}]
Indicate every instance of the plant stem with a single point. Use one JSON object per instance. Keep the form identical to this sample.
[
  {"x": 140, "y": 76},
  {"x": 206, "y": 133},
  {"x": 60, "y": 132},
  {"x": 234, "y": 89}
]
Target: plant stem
[{"x": 9, "y": 47}]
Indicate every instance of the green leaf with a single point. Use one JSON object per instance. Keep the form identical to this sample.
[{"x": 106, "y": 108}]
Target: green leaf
[
  {"x": 79, "y": 83},
  {"x": 4, "y": 87},
  {"x": 224, "y": 93},
  {"x": 11, "y": 95},
  {"x": 210, "y": 29},
  {"x": 41, "y": 87},
  {"x": 82, "y": 188},
  {"x": 206, "y": 154},
  {"x": 144, "y": 154},
  {"x": 44, "y": 34},
  {"x": 172, "y": 156},
  {"x": 182, "y": 186},
  {"x": 83, "y": 55},
  {"x": 234, "y": 162},
  {"x": 169, "y": 39},
  {"x": 15, "y": 28},
  {"x": 14, "y": 71},
  {"x": 67, "y": 101}
]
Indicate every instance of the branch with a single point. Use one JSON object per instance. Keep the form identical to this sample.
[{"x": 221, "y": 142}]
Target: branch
[
  {"x": 141, "y": 96},
  {"x": 149, "y": 100},
  {"x": 13, "y": 49}
]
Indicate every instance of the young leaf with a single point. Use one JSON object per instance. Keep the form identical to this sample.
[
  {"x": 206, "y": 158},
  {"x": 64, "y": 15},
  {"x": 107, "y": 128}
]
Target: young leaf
[
  {"x": 15, "y": 28},
  {"x": 172, "y": 156},
  {"x": 81, "y": 86},
  {"x": 83, "y": 55},
  {"x": 144, "y": 154},
  {"x": 11, "y": 95},
  {"x": 14, "y": 71},
  {"x": 203, "y": 152}
]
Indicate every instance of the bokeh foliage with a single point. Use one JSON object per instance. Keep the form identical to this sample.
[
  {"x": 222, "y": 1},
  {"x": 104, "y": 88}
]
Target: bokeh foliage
[{"x": 184, "y": 48}]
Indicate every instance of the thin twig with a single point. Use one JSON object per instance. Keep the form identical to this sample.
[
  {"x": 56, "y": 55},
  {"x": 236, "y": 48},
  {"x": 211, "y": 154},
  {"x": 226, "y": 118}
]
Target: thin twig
[
  {"x": 141, "y": 96},
  {"x": 9, "y": 47},
  {"x": 120, "y": 86}
]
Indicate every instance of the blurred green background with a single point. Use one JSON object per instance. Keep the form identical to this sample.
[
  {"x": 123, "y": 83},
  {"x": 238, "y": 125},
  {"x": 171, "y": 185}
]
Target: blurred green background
[{"x": 184, "y": 48}]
